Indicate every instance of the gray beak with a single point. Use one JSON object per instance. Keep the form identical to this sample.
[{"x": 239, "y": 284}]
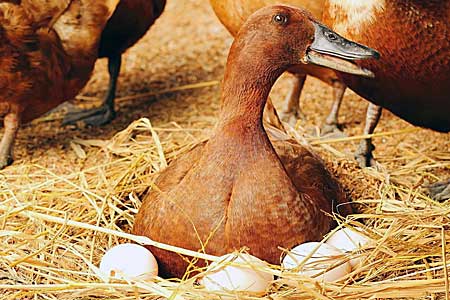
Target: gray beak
[{"x": 331, "y": 50}]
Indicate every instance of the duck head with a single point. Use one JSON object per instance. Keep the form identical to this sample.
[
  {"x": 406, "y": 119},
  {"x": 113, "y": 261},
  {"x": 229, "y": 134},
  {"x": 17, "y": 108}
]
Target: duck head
[{"x": 290, "y": 36}]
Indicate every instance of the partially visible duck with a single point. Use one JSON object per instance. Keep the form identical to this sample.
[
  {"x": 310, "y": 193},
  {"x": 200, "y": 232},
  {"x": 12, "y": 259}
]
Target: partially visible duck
[
  {"x": 129, "y": 23},
  {"x": 47, "y": 53},
  {"x": 233, "y": 13},
  {"x": 412, "y": 78},
  {"x": 238, "y": 188}
]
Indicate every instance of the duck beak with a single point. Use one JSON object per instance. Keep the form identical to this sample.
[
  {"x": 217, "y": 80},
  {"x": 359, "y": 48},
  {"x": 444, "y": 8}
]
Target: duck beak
[{"x": 331, "y": 50}]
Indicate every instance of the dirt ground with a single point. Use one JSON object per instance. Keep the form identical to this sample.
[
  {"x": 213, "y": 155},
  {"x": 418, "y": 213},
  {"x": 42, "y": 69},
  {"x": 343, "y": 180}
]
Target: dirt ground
[{"x": 188, "y": 45}]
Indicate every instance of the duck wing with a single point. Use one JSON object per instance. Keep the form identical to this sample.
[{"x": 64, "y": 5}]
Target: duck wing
[
  {"x": 309, "y": 173},
  {"x": 176, "y": 212},
  {"x": 176, "y": 171}
]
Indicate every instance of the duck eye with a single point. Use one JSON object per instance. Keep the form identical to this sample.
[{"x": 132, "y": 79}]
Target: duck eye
[{"x": 280, "y": 19}]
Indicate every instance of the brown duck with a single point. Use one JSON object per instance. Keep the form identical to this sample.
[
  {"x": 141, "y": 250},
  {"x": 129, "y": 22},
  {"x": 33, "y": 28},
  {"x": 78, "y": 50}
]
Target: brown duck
[
  {"x": 233, "y": 13},
  {"x": 47, "y": 53},
  {"x": 239, "y": 188},
  {"x": 130, "y": 21},
  {"x": 413, "y": 75}
]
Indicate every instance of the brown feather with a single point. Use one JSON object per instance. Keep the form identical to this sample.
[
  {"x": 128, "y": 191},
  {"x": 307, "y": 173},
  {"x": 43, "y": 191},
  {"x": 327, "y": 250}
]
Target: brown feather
[
  {"x": 412, "y": 78},
  {"x": 41, "y": 66}
]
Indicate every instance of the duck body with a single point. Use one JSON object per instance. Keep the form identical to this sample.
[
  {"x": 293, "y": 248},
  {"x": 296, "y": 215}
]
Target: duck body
[
  {"x": 236, "y": 191},
  {"x": 239, "y": 188},
  {"x": 42, "y": 66},
  {"x": 412, "y": 78},
  {"x": 29, "y": 73},
  {"x": 233, "y": 13},
  {"x": 129, "y": 23}
]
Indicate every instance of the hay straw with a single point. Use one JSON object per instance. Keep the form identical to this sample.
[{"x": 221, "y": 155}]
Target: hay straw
[
  {"x": 98, "y": 184},
  {"x": 56, "y": 225},
  {"x": 22, "y": 211},
  {"x": 58, "y": 113},
  {"x": 319, "y": 141},
  {"x": 141, "y": 96}
]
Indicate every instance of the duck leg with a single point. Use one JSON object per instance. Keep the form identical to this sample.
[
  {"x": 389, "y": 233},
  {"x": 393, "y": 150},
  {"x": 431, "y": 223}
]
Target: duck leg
[
  {"x": 331, "y": 122},
  {"x": 11, "y": 123},
  {"x": 364, "y": 154},
  {"x": 440, "y": 191},
  {"x": 105, "y": 113},
  {"x": 291, "y": 110}
]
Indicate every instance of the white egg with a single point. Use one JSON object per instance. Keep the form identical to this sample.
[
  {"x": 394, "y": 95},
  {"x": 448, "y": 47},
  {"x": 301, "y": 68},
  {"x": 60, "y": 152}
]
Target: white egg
[
  {"x": 325, "y": 264},
  {"x": 349, "y": 240},
  {"x": 129, "y": 261},
  {"x": 222, "y": 277}
]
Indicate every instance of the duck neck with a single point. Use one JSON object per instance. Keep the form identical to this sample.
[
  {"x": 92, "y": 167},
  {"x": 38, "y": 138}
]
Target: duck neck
[{"x": 248, "y": 80}]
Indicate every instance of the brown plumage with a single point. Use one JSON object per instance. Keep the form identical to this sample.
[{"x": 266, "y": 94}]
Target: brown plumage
[
  {"x": 239, "y": 188},
  {"x": 233, "y": 13},
  {"x": 412, "y": 78},
  {"x": 130, "y": 21},
  {"x": 47, "y": 53}
]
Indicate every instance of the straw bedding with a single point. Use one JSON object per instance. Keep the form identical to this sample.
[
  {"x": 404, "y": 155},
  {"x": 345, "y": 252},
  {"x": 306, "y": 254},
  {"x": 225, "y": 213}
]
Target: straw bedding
[{"x": 73, "y": 192}]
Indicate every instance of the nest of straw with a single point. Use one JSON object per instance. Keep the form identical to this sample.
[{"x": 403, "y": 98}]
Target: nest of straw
[{"x": 55, "y": 227}]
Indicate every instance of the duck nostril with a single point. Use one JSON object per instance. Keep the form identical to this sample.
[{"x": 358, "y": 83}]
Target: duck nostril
[{"x": 331, "y": 36}]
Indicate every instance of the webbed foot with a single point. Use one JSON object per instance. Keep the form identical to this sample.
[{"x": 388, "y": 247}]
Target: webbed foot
[
  {"x": 105, "y": 113},
  {"x": 96, "y": 117}
]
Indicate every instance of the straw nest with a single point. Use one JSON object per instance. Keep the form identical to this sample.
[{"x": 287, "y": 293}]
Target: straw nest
[
  {"x": 66, "y": 200},
  {"x": 55, "y": 229}
]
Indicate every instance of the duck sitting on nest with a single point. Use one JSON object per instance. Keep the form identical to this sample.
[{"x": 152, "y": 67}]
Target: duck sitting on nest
[{"x": 239, "y": 189}]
